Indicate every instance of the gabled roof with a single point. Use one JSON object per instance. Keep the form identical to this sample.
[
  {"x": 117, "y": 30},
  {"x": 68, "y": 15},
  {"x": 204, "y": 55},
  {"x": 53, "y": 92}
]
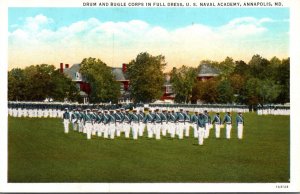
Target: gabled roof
[
  {"x": 207, "y": 70},
  {"x": 71, "y": 72},
  {"x": 119, "y": 75}
]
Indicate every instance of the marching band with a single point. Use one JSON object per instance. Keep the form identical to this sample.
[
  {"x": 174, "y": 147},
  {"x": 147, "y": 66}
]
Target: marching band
[{"x": 159, "y": 122}]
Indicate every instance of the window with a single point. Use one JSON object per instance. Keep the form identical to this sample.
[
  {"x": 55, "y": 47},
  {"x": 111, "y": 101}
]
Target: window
[{"x": 169, "y": 89}]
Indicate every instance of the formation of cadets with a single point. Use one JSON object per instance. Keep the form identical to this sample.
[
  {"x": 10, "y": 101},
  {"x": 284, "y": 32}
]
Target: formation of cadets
[
  {"x": 153, "y": 123},
  {"x": 50, "y": 109},
  {"x": 273, "y": 110},
  {"x": 56, "y": 109}
]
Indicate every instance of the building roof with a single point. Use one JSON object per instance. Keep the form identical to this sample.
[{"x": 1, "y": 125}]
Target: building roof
[
  {"x": 207, "y": 70},
  {"x": 119, "y": 75},
  {"x": 71, "y": 73}
]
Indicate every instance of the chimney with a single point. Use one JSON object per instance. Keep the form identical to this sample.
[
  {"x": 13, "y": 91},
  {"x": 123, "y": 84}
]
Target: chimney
[
  {"x": 66, "y": 66},
  {"x": 124, "y": 67},
  {"x": 61, "y": 70}
]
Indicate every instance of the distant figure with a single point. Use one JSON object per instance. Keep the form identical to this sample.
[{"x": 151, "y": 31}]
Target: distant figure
[
  {"x": 240, "y": 125},
  {"x": 207, "y": 124},
  {"x": 180, "y": 119},
  {"x": 201, "y": 127},
  {"x": 88, "y": 124},
  {"x": 66, "y": 120},
  {"x": 217, "y": 122},
  {"x": 194, "y": 119},
  {"x": 135, "y": 124},
  {"x": 228, "y": 121}
]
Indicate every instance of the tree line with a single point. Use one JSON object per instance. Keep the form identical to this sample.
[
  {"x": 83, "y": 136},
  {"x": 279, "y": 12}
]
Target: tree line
[
  {"x": 258, "y": 81},
  {"x": 40, "y": 82}
]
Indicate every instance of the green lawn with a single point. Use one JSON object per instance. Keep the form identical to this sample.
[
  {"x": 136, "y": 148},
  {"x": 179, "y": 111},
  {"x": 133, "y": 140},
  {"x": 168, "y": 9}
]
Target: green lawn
[{"x": 39, "y": 151}]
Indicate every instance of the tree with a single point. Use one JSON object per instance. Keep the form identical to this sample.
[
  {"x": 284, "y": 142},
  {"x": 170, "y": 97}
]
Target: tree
[
  {"x": 104, "y": 87},
  {"x": 183, "y": 80},
  {"x": 260, "y": 67},
  {"x": 225, "y": 91},
  {"x": 237, "y": 83},
  {"x": 16, "y": 84},
  {"x": 283, "y": 79},
  {"x": 241, "y": 68},
  {"x": 252, "y": 95},
  {"x": 146, "y": 77},
  {"x": 268, "y": 91},
  {"x": 63, "y": 88},
  {"x": 38, "y": 82},
  {"x": 226, "y": 67},
  {"x": 206, "y": 91}
]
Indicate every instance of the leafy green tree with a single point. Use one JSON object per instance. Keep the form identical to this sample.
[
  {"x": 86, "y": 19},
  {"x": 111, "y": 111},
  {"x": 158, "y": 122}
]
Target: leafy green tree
[
  {"x": 38, "y": 82},
  {"x": 252, "y": 92},
  {"x": 146, "y": 77},
  {"x": 226, "y": 67},
  {"x": 183, "y": 80},
  {"x": 104, "y": 87},
  {"x": 63, "y": 88},
  {"x": 268, "y": 91},
  {"x": 242, "y": 69},
  {"x": 225, "y": 91},
  {"x": 260, "y": 67},
  {"x": 16, "y": 84},
  {"x": 283, "y": 79},
  {"x": 237, "y": 83},
  {"x": 206, "y": 91}
]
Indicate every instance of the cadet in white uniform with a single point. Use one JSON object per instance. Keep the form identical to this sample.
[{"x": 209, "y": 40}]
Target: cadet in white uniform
[
  {"x": 66, "y": 120},
  {"x": 106, "y": 118},
  {"x": 135, "y": 124},
  {"x": 194, "y": 119},
  {"x": 228, "y": 121},
  {"x": 150, "y": 126},
  {"x": 173, "y": 125},
  {"x": 181, "y": 119},
  {"x": 88, "y": 124},
  {"x": 119, "y": 123},
  {"x": 157, "y": 121},
  {"x": 187, "y": 123},
  {"x": 164, "y": 120},
  {"x": 201, "y": 126},
  {"x": 217, "y": 122},
  {"x": 127, "y": 123},
  {"x": 112, "y": 124},
  {"x": 141, "y": 116},
  {"x": 207, "y": 124},
  {"x": 240, "y": 125}
]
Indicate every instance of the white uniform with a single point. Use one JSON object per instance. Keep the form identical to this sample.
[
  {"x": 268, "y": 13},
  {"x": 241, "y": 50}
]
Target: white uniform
[
  {"x": 135, "y": 125},
  {"x": 200, "y": 135},
  {"x": 150, "y": 125},
  {"x": 240, "y": 126},
  {"x": 66, "y": 121}
]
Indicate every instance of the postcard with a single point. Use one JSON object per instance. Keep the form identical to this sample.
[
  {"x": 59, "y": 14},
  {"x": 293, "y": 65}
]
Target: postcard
[{"x": 149, "y": 96}]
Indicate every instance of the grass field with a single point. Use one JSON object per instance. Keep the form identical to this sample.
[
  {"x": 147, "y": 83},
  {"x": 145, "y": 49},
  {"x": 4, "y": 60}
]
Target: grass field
[{"x": 39, "y": 151}]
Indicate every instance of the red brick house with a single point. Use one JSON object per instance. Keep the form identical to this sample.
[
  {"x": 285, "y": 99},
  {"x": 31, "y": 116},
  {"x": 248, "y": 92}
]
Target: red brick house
[{"x": 85, "y": 89}]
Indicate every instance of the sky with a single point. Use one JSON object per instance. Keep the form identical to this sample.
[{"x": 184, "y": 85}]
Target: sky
[{"x": 185, "y": 36}]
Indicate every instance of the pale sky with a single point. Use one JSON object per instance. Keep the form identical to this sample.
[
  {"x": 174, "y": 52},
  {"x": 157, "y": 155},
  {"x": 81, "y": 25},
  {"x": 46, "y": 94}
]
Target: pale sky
[{"x": 185, "y": 36}]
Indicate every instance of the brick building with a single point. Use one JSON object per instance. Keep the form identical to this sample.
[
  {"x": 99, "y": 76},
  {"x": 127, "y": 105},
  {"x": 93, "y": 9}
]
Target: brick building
[{"x": 206, "y": 72}]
